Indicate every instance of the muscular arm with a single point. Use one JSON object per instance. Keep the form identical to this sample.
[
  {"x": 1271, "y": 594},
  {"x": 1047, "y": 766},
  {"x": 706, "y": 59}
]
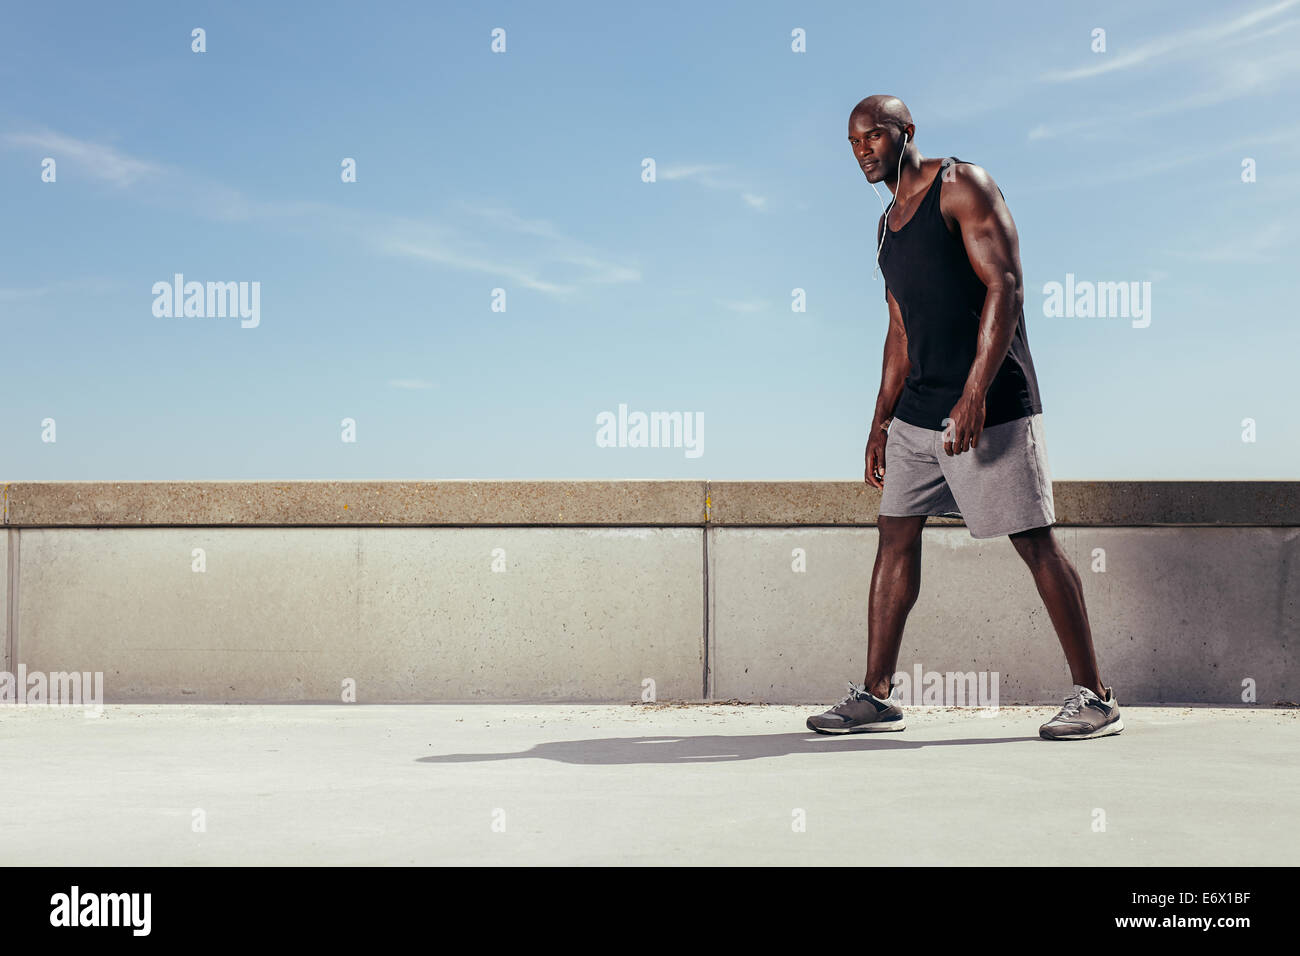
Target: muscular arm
[
  {"x": 993, "y": 247},
  {"x": 895, "y": 368},
  {"x": 974, "y": 203}
]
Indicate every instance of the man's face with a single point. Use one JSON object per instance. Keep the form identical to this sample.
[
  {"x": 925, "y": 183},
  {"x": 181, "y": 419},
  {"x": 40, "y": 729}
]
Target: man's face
[{"x": 875, "y": 146}]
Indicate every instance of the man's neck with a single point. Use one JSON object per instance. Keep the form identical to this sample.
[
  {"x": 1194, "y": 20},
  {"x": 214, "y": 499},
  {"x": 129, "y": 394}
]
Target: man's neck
[{"x": 910, "y": 177}]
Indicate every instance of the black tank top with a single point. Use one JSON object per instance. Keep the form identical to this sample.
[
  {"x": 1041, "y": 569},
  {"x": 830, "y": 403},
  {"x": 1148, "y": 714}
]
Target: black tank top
[{"x": 941, "y": 298}]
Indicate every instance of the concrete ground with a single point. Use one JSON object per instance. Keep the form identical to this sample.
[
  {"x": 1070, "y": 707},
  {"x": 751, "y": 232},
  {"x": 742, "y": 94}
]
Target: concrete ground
[{"x": 647, "y": 784}]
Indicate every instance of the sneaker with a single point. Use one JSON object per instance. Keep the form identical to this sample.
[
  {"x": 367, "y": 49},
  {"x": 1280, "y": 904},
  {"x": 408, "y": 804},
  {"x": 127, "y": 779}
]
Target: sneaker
[
  {"x": 859, "y": 713},
  {"x": 1085, "y": 715}
]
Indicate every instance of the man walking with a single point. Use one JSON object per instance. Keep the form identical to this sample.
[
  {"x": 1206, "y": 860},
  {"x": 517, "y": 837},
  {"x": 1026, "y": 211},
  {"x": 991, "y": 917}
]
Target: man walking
[{"x": 958, "y": 420}]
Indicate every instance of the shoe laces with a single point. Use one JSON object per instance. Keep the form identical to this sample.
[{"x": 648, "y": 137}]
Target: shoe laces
[
  {"x": 1073, "y": 704},
  {"x": 854, "y": 692}
]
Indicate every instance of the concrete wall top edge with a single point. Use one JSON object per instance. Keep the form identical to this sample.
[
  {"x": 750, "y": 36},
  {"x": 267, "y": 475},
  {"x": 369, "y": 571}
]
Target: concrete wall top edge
[{"x": 647, "y": 502}]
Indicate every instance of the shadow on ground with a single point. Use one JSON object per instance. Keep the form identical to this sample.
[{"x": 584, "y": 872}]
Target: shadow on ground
[{"x": 709, "y": 749}]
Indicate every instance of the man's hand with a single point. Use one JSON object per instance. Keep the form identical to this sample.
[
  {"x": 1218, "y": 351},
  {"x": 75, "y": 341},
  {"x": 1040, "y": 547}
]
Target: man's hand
[
  {"x": 875, "y": 474},
  {"x": 965, "y": 424}
]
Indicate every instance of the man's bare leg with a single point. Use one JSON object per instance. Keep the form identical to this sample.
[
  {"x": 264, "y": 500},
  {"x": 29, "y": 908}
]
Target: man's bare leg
[
  {"x": 895, "y": 586},
  {"x": 1061, "y": 589}
]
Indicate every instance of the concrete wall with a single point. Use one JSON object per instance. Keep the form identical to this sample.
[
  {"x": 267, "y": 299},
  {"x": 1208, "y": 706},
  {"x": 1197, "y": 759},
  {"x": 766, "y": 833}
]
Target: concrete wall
[
  {"x": 493, "y": 591},
  {"x": 408, "y": 614},
  {"x": 10, "y": 628},
  {"x": 1177, "y": 615}
]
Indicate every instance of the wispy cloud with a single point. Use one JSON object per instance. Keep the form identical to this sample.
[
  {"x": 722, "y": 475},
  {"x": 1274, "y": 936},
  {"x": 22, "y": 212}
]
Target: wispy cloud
[
  {"x": 410, "y": 383},
  {"x": 509, "y": 220},
  {"x": 1183, "y": 44},
  {"x": 557, "y": 246},
  {"x": 15, "y": 295},
  {"x": 166, "y": 185},
  {"x": 1260, "y": 75},
  {"x": 743, "y": 305},
  {"x": 1225, "y": 71},
  {"x": 703, "y": 174},
  {"x": 1269, "y": 243},
  {"x": 993, "y": 91},
  {"x": 441, "y": 255},
  {"x": 601, "y": 272},
  {"x": 94, "y": 160},
  {"x": 85, "y": 285},
  {"x": 1152, "y": 165},
  {"x": 1276, "y": 28},
  {"x": 710, "y": 177},
  {"x": 546, "y": 249}
]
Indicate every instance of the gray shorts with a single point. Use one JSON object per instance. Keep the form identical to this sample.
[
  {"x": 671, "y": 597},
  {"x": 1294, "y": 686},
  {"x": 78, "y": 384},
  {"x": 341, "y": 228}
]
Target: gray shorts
[{"x": 1000, "y": 487}]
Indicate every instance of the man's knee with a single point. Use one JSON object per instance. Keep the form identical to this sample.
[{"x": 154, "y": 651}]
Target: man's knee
[
  {"x": 900, "y": 533},
  {"x": 1036, "y": 544}
]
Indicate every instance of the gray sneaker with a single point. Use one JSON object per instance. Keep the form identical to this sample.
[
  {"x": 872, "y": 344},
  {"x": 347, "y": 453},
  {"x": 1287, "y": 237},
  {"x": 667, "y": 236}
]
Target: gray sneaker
[
  {"x": 859, "y": 713},
  {"x": 1084, "y": 716}
]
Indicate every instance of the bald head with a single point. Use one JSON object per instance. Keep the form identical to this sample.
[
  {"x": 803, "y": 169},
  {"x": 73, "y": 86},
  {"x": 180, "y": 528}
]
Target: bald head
[
  {"x": 881, "y": 110},
  {"x": 883, "y": 138}
]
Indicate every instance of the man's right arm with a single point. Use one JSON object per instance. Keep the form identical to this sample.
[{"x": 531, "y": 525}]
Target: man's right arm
[{"x": 894, "y": 368}]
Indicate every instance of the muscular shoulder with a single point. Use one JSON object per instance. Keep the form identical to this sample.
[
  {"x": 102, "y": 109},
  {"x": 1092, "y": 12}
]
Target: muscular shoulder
[{"x": 968, "y": 190}]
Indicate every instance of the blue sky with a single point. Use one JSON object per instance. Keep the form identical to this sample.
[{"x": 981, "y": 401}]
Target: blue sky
[{"x": 522, "y": 171}]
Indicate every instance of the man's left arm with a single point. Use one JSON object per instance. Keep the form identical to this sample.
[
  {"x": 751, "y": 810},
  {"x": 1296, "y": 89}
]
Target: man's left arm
[{"x": 993, "y": 247}]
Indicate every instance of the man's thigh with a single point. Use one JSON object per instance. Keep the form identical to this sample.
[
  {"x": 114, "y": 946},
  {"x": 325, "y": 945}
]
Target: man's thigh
[
  {"x": 1004, "y": 485},
  {"x": 914, "y": 481}
]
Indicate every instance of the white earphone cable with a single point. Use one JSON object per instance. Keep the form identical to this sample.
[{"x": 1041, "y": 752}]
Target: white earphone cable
[{"x": 898, "y": 184}]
